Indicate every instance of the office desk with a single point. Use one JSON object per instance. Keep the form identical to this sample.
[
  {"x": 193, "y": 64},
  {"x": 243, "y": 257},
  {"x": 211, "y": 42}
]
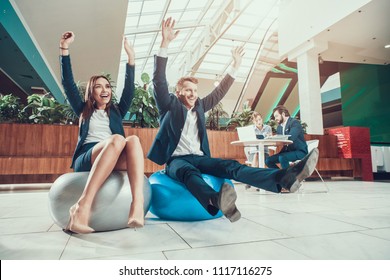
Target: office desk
[{"x": 260, "y": 144}]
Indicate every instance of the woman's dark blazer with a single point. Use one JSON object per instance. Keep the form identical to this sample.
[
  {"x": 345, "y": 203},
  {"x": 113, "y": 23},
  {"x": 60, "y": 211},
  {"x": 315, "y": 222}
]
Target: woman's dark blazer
[{"x": 117, "y": 111}]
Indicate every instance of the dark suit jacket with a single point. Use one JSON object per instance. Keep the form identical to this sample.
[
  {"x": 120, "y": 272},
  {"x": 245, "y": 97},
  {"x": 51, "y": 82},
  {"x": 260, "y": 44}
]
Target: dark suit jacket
[
  {"x": 173, "y": 114},
  {"x": 293, "y": 128},
  {"x": 117, "y": 111}
]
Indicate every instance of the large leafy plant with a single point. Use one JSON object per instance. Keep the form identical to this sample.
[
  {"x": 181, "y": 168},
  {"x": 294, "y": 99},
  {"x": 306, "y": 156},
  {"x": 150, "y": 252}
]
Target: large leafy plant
[
  {"x": 274, "y": 125},
  {"x": 45, "y": 110},
  {"x": 304, "y": 126},
  {"x": 214, "y": 116},
  {"x": 242, "y": 118},
  {"x": 10, "y": 108},
  {"x": 143, "y": 109}
]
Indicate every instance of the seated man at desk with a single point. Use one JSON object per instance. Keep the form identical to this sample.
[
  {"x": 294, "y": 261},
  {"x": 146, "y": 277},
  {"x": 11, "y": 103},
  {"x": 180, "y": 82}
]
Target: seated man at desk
[
  {"x": 292, "y": 127},
  {"x": 262, "y": 131},
  {"x": 182, "y": 144}
]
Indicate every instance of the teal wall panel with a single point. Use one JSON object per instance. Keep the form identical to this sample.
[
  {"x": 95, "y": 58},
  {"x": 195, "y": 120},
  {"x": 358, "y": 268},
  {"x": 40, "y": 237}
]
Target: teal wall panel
[
  {"x": 15, "y": 28},
  {"x": 365, "y": 98},
  {"x": 330, "y": 95}
]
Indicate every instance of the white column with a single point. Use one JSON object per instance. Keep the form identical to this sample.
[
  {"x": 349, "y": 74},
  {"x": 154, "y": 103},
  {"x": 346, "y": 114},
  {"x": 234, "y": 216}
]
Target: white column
[{"x": 309, "y": 92}]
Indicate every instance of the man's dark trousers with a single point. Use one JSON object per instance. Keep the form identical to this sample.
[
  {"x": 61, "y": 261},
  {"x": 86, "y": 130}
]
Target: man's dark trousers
[
  {"x": 284, "y": 158},
  {"x": 188, "y": 170}
]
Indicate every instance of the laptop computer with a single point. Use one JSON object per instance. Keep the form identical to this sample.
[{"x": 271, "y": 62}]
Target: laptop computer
[{"x": 246, "y": 133}]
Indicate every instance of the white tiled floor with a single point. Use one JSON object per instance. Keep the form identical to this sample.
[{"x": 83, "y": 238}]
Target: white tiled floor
[{"x": 351, "y": 221}]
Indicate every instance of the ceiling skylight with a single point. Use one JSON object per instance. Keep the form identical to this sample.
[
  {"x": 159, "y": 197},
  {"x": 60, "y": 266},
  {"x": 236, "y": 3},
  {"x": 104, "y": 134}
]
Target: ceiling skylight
[{"x": 209, "y": 30}]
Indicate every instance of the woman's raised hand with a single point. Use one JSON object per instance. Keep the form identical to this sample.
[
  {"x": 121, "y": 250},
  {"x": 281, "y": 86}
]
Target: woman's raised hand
[{"x": 66, "y": 39}]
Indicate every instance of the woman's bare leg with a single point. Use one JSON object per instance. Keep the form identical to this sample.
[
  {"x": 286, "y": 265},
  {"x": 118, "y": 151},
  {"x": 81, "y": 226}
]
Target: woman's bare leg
[
  {"x": 104, "y": 158},
  {"x": 132, "y": 160}
]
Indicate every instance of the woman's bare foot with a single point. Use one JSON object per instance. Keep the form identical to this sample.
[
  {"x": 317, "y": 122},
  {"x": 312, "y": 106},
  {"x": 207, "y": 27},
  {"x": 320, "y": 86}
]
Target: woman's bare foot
[
  {"x": 77, "y": 222},
  {"x": 136, "y": 216}
]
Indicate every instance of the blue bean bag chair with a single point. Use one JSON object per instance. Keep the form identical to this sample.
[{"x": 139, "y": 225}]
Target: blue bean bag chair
[
  {"x": 110, "y": 210},
  {"x": 172, "y": 201}
]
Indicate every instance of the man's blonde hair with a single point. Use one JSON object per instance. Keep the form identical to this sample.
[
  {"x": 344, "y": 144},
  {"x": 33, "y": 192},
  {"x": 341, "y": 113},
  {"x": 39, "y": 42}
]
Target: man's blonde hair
[{"x": 180, "y": 83}]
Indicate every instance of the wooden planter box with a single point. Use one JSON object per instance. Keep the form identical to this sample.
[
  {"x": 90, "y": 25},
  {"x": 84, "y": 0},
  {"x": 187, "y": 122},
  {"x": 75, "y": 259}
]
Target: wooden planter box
[{"x": 37, "y": 153}]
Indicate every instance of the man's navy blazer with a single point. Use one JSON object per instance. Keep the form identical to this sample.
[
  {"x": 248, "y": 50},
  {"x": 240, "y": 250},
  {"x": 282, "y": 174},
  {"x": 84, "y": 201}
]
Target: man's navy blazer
[
  {"x": 173, "y": 113},
  {"x": 293, "y": 128}
]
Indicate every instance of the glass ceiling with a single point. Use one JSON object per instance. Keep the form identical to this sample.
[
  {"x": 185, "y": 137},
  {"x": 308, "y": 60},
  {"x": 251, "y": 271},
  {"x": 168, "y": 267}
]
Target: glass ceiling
[{"x": 209, "y": 30}]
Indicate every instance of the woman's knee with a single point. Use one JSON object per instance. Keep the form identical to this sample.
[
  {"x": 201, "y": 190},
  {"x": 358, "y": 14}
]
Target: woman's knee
[
  {"x": 117, "y": 142},
  {"x": 132, "y": 141}
]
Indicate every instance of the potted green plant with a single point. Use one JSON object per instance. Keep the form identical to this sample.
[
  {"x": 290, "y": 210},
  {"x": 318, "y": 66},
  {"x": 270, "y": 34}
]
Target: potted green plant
[
  {"x": 214, "y": 116},
  {"x": 44, "y": 110},
  {"x": 273, "y": 124},
  {"x": 10, "y": 108},
  {"x": 69, "y": 115},
  {"x": 143, "y": 109},
  {"x": 242, "y": 118},
  {"x": 304, "y": 125}
]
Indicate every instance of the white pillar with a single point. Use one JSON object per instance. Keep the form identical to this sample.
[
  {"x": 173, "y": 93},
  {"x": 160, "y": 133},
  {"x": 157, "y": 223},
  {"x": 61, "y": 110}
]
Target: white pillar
[{"x": 309, "y": 92}]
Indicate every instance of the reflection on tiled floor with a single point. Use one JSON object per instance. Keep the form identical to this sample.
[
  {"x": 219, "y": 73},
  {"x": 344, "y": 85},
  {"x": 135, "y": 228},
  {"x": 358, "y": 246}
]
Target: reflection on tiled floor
[{"x": 351, "y": 221}]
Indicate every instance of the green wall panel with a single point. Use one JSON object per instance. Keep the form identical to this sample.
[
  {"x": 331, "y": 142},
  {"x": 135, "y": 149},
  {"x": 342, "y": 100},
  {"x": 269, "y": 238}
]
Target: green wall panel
[{"x": 365, "y": 98}]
